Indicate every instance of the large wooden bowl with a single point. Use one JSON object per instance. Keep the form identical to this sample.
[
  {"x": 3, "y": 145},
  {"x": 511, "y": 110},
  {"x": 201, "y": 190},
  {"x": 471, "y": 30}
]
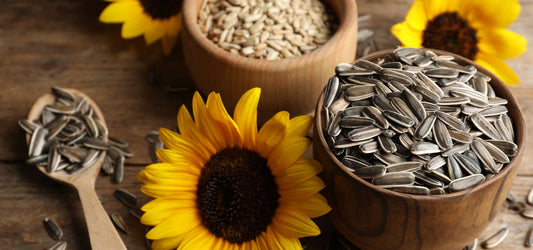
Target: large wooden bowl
[
  {"x": 375, "y": 218},
  {"x": 292, "y": 84}
]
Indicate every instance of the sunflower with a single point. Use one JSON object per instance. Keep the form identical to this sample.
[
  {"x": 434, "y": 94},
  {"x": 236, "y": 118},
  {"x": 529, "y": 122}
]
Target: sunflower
[
  {"x": 222, "y": 184},
  {"x": 156, "y": 19},
  {"x": 475, "y": 29}
]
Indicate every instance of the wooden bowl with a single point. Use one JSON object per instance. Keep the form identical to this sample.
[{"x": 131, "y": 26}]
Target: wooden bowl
[
  {"x": 292, "y": 84},
  {"x": 371, "y": 217}
]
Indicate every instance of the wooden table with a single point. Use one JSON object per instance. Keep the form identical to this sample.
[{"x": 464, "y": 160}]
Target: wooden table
[{"x": 61, "y": 42}]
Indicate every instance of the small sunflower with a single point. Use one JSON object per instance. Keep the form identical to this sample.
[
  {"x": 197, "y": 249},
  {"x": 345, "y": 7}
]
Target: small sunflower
[
  {"x": 475, "y": 29},
  {"x": 156, "y": 19},
  {"x": 222, "y": 184}
]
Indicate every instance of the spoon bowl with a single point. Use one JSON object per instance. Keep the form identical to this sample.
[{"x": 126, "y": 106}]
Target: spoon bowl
[{"x": 101, "y": 230}]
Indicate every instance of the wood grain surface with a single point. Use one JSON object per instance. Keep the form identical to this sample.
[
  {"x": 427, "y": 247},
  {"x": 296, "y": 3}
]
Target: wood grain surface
[{"x": 61, "y": 42}]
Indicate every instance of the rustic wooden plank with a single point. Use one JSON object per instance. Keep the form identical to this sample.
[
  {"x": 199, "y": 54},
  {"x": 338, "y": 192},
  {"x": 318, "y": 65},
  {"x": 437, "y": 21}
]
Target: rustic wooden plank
[{"x": 31, "y": 196}]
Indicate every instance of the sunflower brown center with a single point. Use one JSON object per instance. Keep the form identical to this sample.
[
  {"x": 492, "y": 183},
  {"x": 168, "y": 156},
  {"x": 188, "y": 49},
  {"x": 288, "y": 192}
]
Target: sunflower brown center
[
  {"x": 237, "y": 195},
  {"x": 161, "y": 9},
  {"x": 448, "y": 31}
]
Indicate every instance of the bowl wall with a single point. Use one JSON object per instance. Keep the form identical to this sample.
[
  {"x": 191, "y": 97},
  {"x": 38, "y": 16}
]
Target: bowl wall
[
  {"x": 375, "y": 218},
  {"x": 292, "y": 84}
]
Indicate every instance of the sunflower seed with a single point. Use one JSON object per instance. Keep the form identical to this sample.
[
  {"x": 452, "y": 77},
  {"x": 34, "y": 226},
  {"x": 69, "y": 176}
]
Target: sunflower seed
[
  {"x": 485, "y": 126},
  {"x": 509, "y": 148},
  {"x": 466, "y": 182},
  {"x": 60, "y": 245},
  {"x": 376, "y": 115},
  {"x": 370, "y": 171},
  {"x": 353, "y": 163},
  {"x": 365, "y": 133},
  {"x": 119, "y": 170},
  {"x": 496, "y": 238},
  {"x": 368, "y": 65},
  {"x": 476, "y": 98},
  {"x": 382, "y": 102},
  {"x": 127, "y": 198},
  {"x": 427, "y": 180},
  {"x": 388, "y": 158},
  {"x": 528, "y": 242},
  {"x": 331, "y": 91},
  {"x": 360, "y": 92},
  {"x": 422, "y": 147},
  {"x": 398, "y": 118},
  {"x": 355, "y": 122},
  {"x": 451, "y": 121},
  {"x": 470, "y": 166},
  {"x": 396, "y": 178},
  {"x": 52, "y": 228},
  {"x": 460, "y": 136},
  {"x": 502, "y": 130},
  {"x": 495, "y": 152},
  {"x": 119, "y": 222},
  {"x": 437, "y": 191},
  {"x": 136, "y": 212},
  {"x": 418, "y": 190},
  {"x": 95, "y": 143},
  {"x": 386, "y": 144},
  {"x": 457, "y": 148},
  {"x": 493, "y": 110},
  {"x": 484, "y": 156},
  {"x": 408, "y": 166},
  {"x": 435, "y": 162},
  {"x": 369, "y": 147}
]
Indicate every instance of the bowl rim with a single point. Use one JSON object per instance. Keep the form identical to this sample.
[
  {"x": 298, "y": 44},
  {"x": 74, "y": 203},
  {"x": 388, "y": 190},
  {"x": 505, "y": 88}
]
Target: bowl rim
[
  {"x": 519, "y": 126},
  {"x": 347, "y": 21}
]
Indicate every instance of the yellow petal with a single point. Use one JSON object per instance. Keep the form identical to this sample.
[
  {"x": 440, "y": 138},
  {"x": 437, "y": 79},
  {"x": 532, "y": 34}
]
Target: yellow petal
[
  {"x": 261, "y": 240},
  {"x": 407, "y": 35},
  {"x": 190, "y": 129},
  {"x": 272, "y": 133},
  {"x": 293, "y": 224},
  {"x": 171, "y": 178},
  {"x": 286, "y": 153},
  {"x": 179, "y": 223},
  {"x": 219, "y": 113},
  {"x": 174, "y": 25},
  {"x": 154, "y": 31},
  {"x": 155, "y": 213},
  {"x": 245, "y": 116},
  {"x": 303, "y": 170},
  {"x": 501, "y": 43},
  {"x": 167, "y": 243},
  {"x": 120, "y": 11},
  {"x": 271, "y": 240},
  {"x": 199, "y": 239},
  {"x": 179, "y": 200},
  {"x": 416, "y": 17},
  {"x": 135, "y": 26},
  {"x": 499, "y": 68},
  {"x": 184, "y": 145},
  {"x": 491, "y": 13},
  {"x": 435, "y": 8},
  {"x": 302, "y": 190},
  {"x": 300, "y": 125},
  {"x": 288, "y": 243},
  {"x": 174, "y": 167},
  {"x": 313, "y": 206},
  {"x": 205, "y": 122},
  {"x": 170, "y": 156},
  {"x": 159, "y": 190},
  {"x": 168, "y": 43}
]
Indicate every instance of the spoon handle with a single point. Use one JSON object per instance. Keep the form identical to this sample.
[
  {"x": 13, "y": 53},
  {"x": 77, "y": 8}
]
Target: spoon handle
[{"x": 102, "y": 233}]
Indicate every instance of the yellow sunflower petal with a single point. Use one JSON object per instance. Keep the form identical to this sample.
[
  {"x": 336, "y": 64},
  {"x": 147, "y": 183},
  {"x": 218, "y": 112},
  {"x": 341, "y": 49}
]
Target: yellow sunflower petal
[
  {"x": 170, "y": 156},
  {"x": 190, "y": 129},
  {"x": 499, "y": 68},
  {"x": 302, "y": 190},
  {"x": 156, "y": 214},
  {"x": 120, "y": 11},
  {"x": 407, "y": 35},
  {"x": 168, "y": 43},
  {"x": 167, "y": 243},
  {"x": 174, "y": 201},
  {"x": 199, "y": 239},
  {"x": 491, "y": 13},
  {"x": 300, "y": 125},
  {"x": 261, "y": 239},
  {"x": 501, "y": 43},
  {"x": 174, "y": 25},
  {"x": 245, "y": 116},
  {"x": 216, "y": 109},
  {"x": 288, "y": 243},
  {"x": 186, "y": 146},
  {"x": 416, "y": 17},
  {"x": 271, "y": 240},
  {"x": 175, "y": 166},
  {"x": 155, "y": 31},
  {"x": 435, "y": 8},
  {"x": 171, "y": 178},
  {"x": 286, "y": 153},
  {"x": 135, "y": 26},
  {"x": 313, "y": 206},
  {"x": 293, "y": 224},
  {"x": 272, "y": 133},
  {"x": 205, "y": 122},
  {"x": 303, "y": 170},
  {"x": 179, "y": 223},
  {"x": 159, "y": 190}
]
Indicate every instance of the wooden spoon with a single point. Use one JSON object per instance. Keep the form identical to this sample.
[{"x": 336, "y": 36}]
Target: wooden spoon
[{"x": 102, "y": 233}]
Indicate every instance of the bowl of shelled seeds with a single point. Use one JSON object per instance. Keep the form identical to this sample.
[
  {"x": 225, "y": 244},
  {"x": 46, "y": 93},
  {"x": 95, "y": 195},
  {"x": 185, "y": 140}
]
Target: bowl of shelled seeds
[
  {"x": 420, "y": 148},
  {"x": 287, "y": 48}
]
